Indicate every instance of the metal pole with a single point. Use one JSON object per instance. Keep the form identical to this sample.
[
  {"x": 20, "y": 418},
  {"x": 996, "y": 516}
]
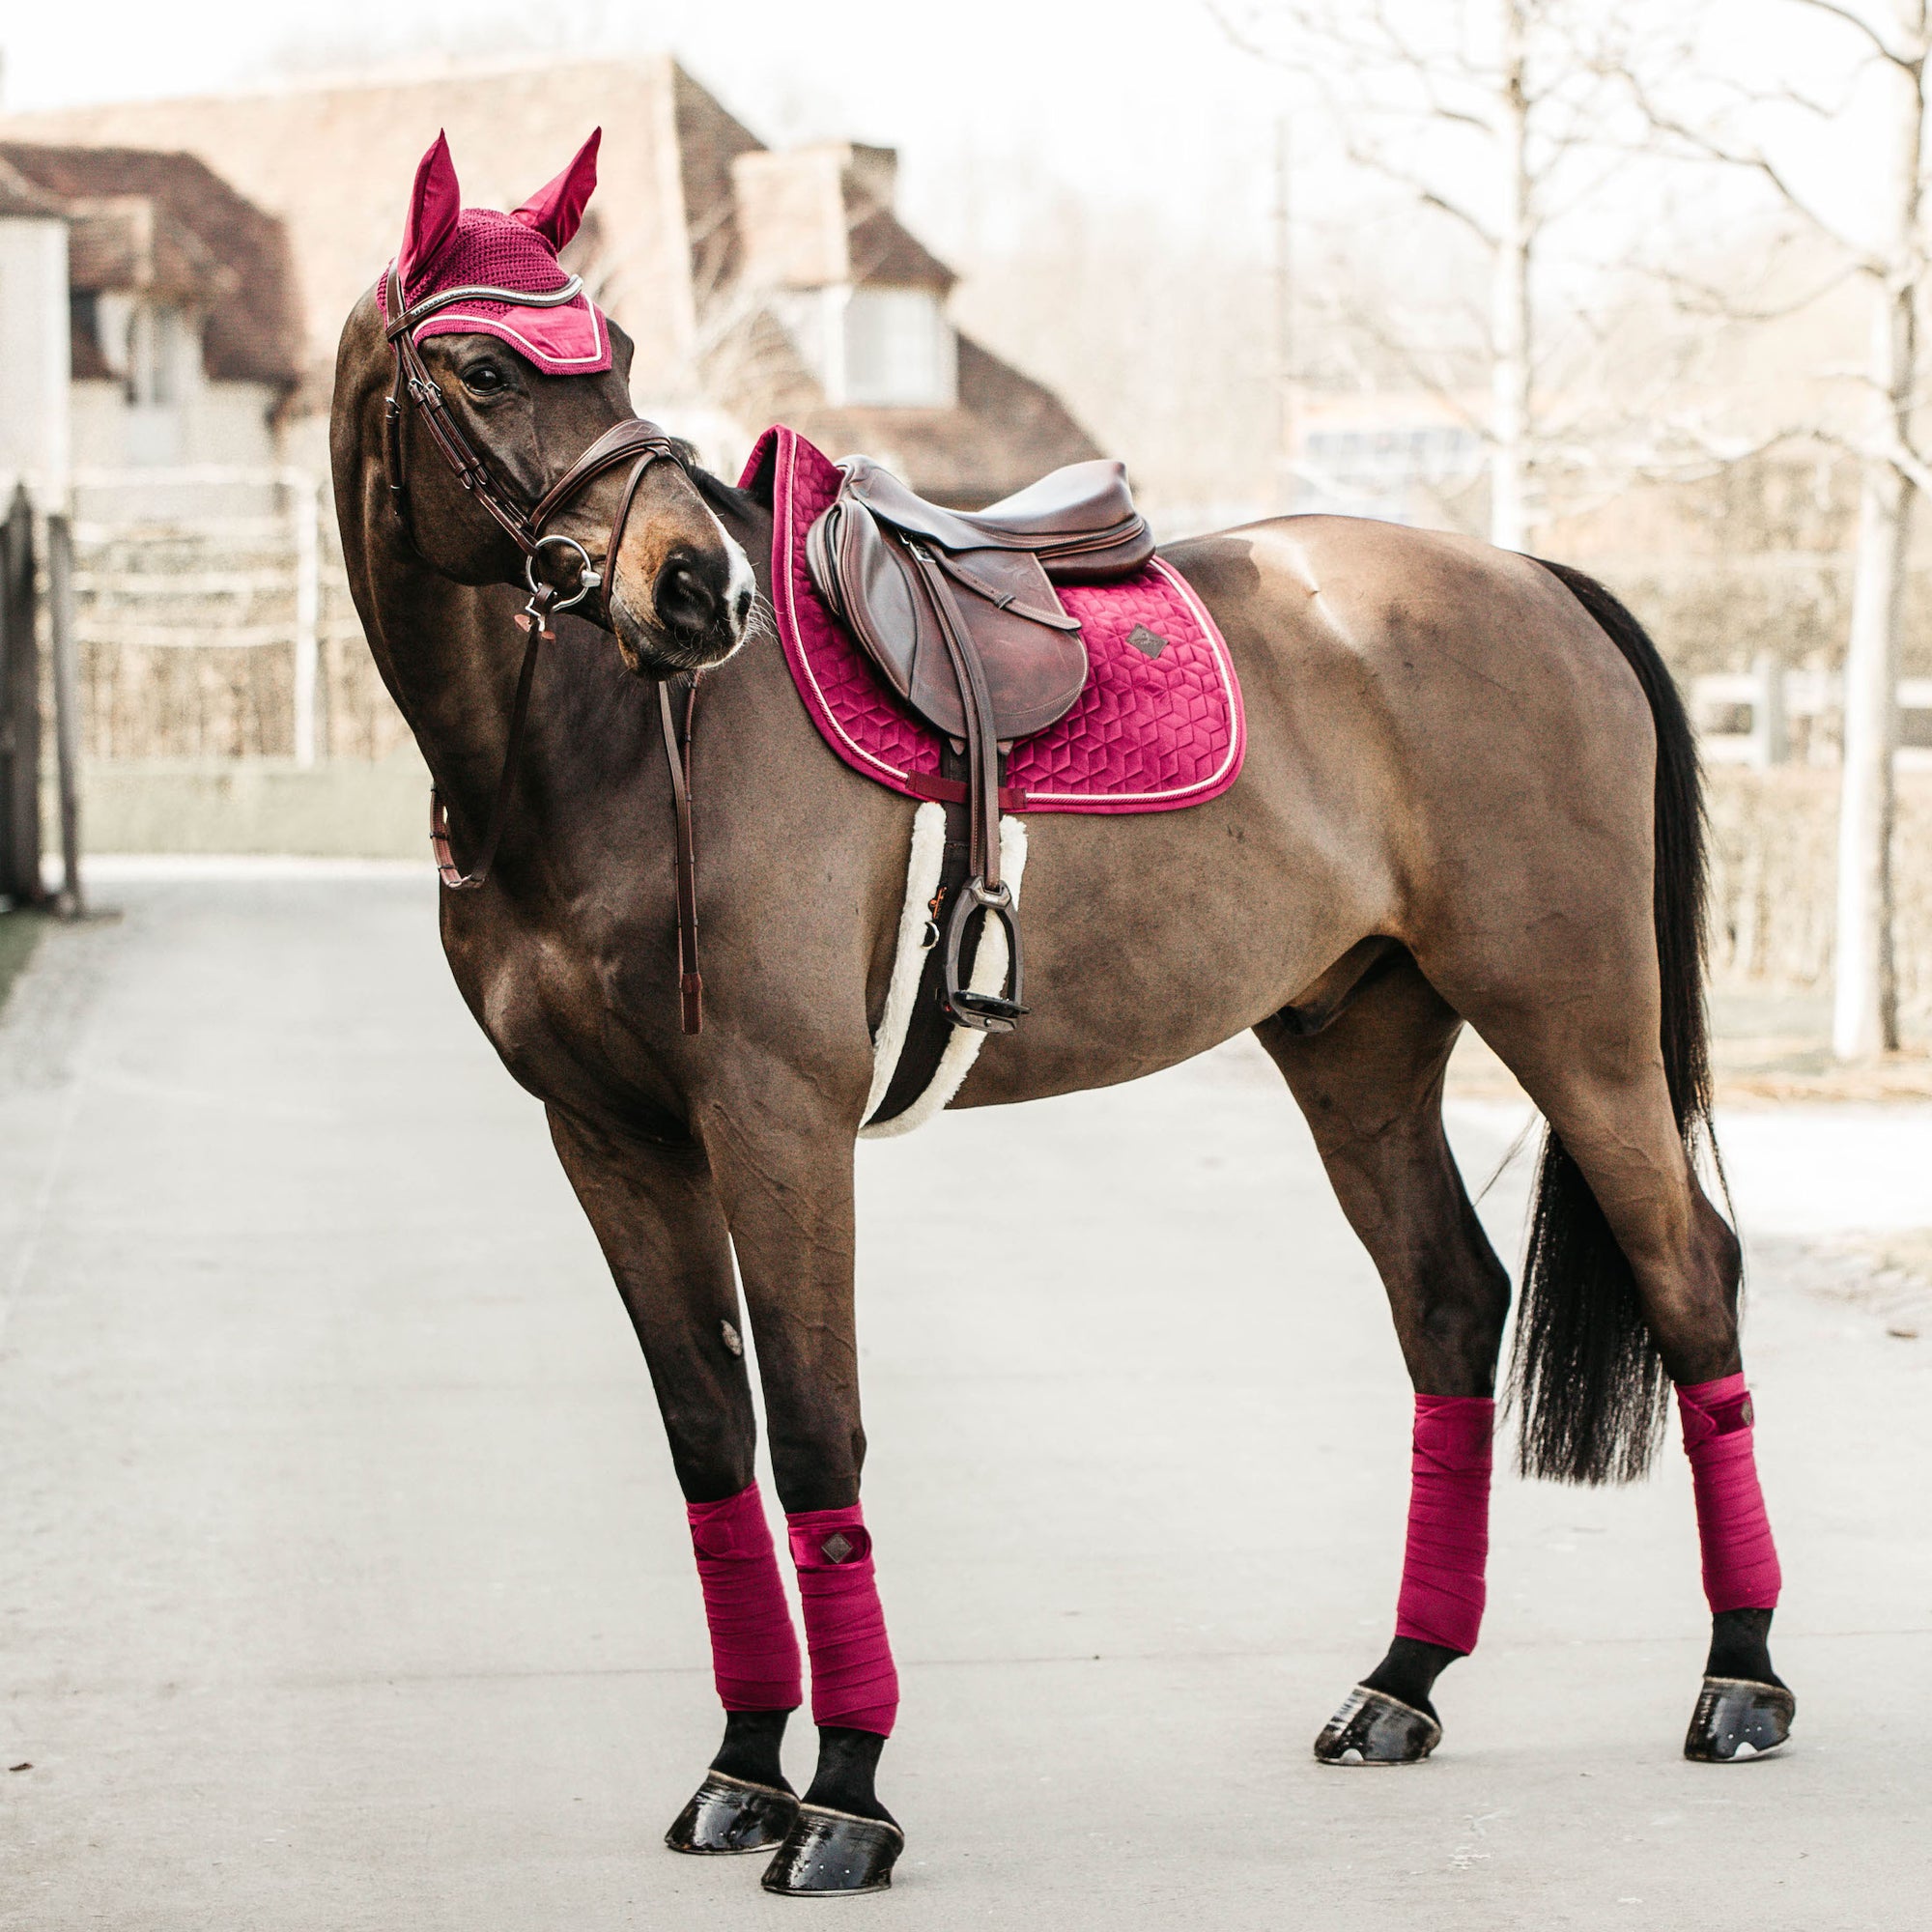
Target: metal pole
[
  {"x": 67, "y": 708},
  {"x": 305, "y": 506}
]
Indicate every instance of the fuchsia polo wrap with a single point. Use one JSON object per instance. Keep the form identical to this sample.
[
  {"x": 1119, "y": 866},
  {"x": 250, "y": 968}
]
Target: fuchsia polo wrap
[
  {"x": 753, "y": 1647},
  {"x": 1442, "y": 1587},
  {"x": 853, "y": 1681},
  {"x": 1740, "y": 1571}
]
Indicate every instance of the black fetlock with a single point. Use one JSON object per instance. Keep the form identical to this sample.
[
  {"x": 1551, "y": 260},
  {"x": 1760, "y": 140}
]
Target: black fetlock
[
  {"x": 744, "y": 1804},
  {"x": 844, "y": 1839},
  {"x": 848, "y": 1764},
  {"x": 1741, "y": 1647},
  {"x": 1410, "y": 1670},
  {"x": 1388, "y": 1719},
  {"x": 750, "y": 1751},
  {"x": 1744, "y": 1708}
]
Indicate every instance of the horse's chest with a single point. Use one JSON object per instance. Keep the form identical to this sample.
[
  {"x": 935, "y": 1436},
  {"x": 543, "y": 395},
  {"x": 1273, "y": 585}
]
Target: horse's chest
[{"x": 541, "y": 1006}]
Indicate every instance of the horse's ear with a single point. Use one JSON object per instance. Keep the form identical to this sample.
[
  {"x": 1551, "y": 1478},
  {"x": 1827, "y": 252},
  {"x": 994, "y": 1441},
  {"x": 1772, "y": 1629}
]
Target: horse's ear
[
  {"x": 435, "y": 203},
  {"x": 556, "y": 210}
]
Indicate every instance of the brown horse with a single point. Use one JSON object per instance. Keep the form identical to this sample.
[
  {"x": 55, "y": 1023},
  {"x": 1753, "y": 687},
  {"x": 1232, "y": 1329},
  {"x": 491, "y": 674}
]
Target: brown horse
[{"x": 1470, "y": 796}]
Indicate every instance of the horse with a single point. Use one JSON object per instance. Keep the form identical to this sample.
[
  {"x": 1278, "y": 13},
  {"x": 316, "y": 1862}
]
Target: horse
[{"x": 1470, "y": 798}]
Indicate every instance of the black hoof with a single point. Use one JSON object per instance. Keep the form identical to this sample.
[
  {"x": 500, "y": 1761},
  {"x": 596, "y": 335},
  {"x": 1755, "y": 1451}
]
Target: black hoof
[
  {"x": 1737, "y": 1718},
  {"x": 827, "y": 1854},
  {"x": 727, "y": 1816},
  {"x": 1373, "y": 1727}
]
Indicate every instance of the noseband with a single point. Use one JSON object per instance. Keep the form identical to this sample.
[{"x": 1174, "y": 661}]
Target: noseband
[{"x": 633, "y": 441}]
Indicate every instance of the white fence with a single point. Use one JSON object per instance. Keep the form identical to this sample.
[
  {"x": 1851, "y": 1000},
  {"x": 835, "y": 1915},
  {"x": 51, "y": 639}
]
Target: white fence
[
  {"x": 258, "y": 537},
  {"x": 1771, "y": 716}
]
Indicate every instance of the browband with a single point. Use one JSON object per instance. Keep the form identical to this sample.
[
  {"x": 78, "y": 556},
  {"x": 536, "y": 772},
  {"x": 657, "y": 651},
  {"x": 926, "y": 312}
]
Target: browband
[{"x": 448, "y": 297}]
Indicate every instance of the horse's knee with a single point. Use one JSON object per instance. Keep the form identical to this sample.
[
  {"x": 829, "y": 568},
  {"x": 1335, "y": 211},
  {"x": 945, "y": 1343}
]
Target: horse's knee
[{"x": 816, "y": 1464}]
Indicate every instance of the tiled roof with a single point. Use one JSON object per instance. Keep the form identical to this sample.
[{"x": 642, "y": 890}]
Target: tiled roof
[
  {"x": 19, "y": 196},
  {"x": 198, "y": 232}
]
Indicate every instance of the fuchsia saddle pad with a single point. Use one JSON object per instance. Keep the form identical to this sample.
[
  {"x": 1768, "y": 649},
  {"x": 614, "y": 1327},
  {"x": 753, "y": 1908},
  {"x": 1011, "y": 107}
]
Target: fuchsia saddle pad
[{"x": 1158, "y": 726}]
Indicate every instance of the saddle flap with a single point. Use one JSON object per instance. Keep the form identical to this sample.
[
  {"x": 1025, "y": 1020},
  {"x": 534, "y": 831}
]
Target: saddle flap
[{"x": 1031, "y": 652}]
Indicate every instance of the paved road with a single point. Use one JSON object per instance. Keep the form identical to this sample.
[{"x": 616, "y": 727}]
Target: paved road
[{"x": 343, "y": 1582}]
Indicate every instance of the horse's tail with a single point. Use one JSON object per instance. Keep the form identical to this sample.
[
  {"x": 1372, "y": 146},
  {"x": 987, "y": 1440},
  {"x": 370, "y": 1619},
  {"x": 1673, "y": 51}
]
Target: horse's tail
[{"x": 1586, "y": 1378}]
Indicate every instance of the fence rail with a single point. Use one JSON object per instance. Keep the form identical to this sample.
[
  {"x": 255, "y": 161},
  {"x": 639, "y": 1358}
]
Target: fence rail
[
  {"x": 173, "y": 573},
  {"x": 1747, "y": 716}
]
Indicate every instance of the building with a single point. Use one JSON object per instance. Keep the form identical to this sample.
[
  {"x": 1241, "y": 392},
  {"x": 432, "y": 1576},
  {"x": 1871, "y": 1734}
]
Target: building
[
  {"x": 182, "y": 343},
  {"x": 757, "y": 285}
]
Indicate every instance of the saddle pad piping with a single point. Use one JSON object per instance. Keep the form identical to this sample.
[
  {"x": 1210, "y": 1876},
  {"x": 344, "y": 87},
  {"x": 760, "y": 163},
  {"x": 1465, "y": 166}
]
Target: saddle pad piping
[{"x": 989, "y": 976}]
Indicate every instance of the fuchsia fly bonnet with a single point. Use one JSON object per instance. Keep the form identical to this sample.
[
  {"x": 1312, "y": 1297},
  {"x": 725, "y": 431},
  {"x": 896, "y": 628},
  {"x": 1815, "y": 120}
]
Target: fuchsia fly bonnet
[{"x": 447, "y": 246}]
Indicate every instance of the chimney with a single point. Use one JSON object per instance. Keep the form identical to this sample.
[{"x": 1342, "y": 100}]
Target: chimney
[{"x": 795, "y": 210}]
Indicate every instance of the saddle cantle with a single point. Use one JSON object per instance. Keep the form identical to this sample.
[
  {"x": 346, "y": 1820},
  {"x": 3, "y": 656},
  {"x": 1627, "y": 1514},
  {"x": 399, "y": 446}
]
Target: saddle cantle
[{"x": 958, "y": 610}]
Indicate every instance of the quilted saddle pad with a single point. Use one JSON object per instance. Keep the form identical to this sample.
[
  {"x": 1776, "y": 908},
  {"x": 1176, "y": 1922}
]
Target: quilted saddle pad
[{"x": 1157, "y": 728}]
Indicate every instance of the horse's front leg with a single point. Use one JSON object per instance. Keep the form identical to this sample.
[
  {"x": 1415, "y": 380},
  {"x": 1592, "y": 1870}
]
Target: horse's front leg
[
  {"x": 785, "y": 1176},
  {"x": 657, "y": 1220}
]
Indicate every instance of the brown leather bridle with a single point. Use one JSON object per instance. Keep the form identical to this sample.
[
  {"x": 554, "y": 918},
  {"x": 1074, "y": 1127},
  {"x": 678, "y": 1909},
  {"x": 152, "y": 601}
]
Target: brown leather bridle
[{"x": 634, "y": 441}]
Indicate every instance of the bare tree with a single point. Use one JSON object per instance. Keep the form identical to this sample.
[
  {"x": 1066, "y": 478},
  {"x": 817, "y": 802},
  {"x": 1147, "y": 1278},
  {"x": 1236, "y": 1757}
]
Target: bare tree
[
  {"x": 1889, "y": 44},
  {"x": 1486, "y": 112}
]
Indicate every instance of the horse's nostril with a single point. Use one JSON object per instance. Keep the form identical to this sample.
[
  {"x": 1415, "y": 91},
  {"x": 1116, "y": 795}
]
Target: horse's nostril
[
  {"x": 685, "y": 600},
  {"x": 742, "y": 609}
]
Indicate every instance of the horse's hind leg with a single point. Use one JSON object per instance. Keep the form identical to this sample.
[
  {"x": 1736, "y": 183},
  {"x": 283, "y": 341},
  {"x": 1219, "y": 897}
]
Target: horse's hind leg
[
  {"x": 657, "y": 1218},
  {"x": 1369, "y": 1082},
  {"x": 1634, "y": 1275}
]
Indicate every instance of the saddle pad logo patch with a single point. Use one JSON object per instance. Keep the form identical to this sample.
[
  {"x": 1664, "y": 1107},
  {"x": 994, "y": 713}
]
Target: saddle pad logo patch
[{"x": 1150, "y": 643}]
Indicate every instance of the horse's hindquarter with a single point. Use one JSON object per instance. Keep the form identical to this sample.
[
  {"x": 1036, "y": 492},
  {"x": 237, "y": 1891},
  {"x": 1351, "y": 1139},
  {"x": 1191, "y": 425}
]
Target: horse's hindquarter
[{"x": 1443, "y": 748}]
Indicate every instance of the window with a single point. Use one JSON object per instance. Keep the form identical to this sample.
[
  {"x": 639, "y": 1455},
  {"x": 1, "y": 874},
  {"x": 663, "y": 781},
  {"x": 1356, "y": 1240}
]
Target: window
[{"x": 900, "y": 349}]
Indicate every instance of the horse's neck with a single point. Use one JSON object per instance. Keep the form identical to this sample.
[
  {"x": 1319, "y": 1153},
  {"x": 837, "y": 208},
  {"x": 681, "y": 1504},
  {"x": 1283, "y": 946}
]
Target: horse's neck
[{"x": 455, "y": 652}]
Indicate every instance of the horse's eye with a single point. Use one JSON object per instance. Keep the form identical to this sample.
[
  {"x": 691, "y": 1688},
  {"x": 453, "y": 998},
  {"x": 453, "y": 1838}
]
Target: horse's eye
[{"x": 484, "y": 378}]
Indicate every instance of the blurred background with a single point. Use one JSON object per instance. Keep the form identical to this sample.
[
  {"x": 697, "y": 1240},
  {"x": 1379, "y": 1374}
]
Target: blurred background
[{"x": 1634, "y": 285}]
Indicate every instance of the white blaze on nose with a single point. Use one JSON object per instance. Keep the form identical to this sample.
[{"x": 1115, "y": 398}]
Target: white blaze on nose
[{"x": 743, "y": 584}]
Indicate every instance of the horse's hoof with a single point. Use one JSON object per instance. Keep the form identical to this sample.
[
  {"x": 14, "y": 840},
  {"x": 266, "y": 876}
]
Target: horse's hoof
[
  {"x": 727, "y": 1814},
  {"x": 828, "y": 1853},
  {"x": 1737, "y": 1718},
  {"x": 1372, "y": 1727}
]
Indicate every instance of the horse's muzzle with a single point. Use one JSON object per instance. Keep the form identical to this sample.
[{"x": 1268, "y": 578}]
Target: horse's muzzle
[{"x": 699, "y": 606}]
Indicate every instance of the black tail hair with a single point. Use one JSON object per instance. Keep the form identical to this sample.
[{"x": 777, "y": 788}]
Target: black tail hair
[{"x": 1587, "y": 1380}]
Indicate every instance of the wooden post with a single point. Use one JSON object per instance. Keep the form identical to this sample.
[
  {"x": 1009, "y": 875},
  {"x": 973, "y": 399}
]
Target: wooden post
[
  {"x": 305, "y": 508},
  {"x": 20, "y": 710},
  {"x": 67, "y": 708}
]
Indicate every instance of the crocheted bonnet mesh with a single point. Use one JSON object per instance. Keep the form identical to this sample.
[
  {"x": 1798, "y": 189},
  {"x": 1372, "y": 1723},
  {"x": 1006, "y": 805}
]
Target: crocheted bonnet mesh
[{"x": 446, "y": 247}]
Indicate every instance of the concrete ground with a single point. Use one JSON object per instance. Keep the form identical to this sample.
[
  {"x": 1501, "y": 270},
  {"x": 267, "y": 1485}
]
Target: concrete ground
[{"x": 343, "y": 1582}]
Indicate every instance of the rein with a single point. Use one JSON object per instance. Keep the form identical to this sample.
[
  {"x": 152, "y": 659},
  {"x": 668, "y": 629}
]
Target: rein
[{"x": 634, "y": 441}]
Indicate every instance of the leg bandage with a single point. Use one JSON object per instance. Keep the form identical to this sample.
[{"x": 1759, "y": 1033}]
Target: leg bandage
[
  {"x": 1442, "y": 1587},
  {"x": 1741, "y": 1570},
  {"x": 853, "y": 1681},
  {"x": 753, "y": 1647}
]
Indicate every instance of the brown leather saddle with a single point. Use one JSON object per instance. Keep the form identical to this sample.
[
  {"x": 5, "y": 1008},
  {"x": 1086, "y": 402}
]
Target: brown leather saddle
[{"x": 958, "y": 610}]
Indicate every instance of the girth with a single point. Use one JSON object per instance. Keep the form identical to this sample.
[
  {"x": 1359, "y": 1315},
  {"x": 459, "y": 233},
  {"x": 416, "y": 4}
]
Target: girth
[{"x": 633, "y": 441}]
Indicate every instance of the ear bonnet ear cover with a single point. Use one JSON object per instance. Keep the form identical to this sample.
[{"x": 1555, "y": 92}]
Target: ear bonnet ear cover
[{"x": 448, "y": 247}]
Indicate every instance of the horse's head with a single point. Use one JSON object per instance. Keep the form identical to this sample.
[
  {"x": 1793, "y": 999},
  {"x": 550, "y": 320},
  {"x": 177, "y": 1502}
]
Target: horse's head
[{"x": 507, "y": 375}]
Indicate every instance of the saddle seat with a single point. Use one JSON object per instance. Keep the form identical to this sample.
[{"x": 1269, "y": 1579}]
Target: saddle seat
[
  {"x": 919, "y": 584},
  {"x": 1079, "y": 520}
]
